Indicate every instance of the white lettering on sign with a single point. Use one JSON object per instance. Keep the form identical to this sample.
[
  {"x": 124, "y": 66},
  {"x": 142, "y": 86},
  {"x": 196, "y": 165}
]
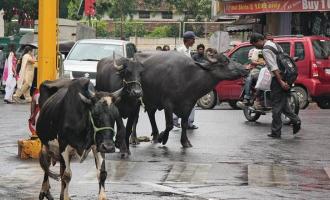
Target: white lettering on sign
[{"x": 310, "y": 5}]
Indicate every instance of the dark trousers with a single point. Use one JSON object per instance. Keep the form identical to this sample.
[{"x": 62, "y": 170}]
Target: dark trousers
[{"x": 280, "y": 105}]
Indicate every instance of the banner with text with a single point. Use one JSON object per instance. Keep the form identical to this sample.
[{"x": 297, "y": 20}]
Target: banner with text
[{"x": 252, "y": 7}]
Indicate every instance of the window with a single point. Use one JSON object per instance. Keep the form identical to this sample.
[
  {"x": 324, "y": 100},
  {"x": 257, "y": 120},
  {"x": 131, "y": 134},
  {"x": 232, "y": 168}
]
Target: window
[
  {"x": 241, "y": 55},
  {"x": 144, "y": 14},
  {"x": 131, "y": 50},
  {"x": 299, "y": 50},
  {"x": 94, "y": 51},
  {"x": 321, "y": 49},
  {"x": 167, "y": 15},
  {"x": 285, "y": 46}
]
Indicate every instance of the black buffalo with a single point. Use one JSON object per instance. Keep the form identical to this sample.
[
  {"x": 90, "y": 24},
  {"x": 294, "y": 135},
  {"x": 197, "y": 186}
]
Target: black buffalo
[
  {"x": 174, "y": 82},
  {"x": 76, "y": 118},
  {"x": 122, "y": 76}
]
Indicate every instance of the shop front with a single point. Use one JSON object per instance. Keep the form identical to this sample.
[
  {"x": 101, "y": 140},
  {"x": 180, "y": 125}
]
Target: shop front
[{"x": 284, "y": 17}]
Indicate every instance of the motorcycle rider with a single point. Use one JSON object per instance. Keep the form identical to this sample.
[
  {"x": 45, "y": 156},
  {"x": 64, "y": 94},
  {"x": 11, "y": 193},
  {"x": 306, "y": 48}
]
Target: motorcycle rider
[{"x": 256, "y": 63}]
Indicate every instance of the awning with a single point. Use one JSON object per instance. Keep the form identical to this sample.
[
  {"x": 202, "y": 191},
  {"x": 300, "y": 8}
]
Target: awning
[
  {"x": 239, "y": 28},
  {"x": 275, "y": 6}
]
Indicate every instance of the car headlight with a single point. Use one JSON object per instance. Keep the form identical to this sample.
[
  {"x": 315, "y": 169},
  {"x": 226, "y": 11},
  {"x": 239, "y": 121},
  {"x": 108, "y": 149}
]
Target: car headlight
[{"x": 67, "y": 74}]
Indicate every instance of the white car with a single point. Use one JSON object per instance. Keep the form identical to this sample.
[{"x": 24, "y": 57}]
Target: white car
[{"x": 85, "y": 54}]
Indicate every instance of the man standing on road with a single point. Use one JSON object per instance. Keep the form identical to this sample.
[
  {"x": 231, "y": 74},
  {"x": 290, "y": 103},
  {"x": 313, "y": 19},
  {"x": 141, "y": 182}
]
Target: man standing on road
[
  {"x": 279, "y": 88},
  {"x": 188, "y": 41},
  {"x": 199, "y": 56}
]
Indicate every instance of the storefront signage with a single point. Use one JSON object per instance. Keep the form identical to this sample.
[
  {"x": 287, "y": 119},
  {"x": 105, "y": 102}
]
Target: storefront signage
[{"x": 251, "y": 7}]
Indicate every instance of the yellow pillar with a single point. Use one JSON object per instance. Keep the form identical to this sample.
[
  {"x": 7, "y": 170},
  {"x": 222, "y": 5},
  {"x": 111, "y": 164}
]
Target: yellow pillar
[{"x": 47, "y": 34}]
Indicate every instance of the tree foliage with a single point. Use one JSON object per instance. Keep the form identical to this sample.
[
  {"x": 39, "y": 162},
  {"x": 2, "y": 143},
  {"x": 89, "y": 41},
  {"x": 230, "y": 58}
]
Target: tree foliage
[
  {"x": 130, "y": 29},
  {"x": 197, "y": 8},
  {"x": 73, "y": 10},
  {"x": 121, "y": 8},
  {"x": 25, "y": 9}
]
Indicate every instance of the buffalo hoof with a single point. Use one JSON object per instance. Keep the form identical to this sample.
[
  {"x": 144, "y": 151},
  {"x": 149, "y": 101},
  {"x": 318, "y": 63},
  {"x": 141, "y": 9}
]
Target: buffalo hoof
[
  {"x": 155, "y": 137},
  {"x": 186, "y": 144},
  {"x": 163, "y": 137},
  {"x": 134, "y": 141},
  {"x": 47, "y": 194}
]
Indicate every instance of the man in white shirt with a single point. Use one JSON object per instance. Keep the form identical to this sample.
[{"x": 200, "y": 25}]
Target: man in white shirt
[{"x": 188, "y": 41}]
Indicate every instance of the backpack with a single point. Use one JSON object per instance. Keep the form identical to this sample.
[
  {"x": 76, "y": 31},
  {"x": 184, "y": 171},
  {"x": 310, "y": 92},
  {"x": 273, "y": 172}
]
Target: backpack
[{"x": 286, "y": 64}]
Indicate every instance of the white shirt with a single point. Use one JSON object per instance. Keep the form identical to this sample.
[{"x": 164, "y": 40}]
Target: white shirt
[
  {"x": 270, "y": 57},
  {"x": 183, "y": 49}
]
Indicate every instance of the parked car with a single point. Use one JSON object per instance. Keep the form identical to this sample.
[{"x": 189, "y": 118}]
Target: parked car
[
  {"x": 85, "y": 54},
  {"x": 313, "y": 82}
]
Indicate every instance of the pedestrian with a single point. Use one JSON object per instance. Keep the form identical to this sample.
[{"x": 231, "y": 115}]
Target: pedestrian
[
  {"x": 26, "y": 76},
  {"x": 188, "y": 42},
  {"x": 166, "y": 47},
  {"x": 11, "y": 75},
  {"x": 279, "y": 88},
  {"x": 2, "y": 61},
  {"x": 269, "y": 36},
  {"x": 159, "y": 48},
  {"x": 199, "y": 56}
]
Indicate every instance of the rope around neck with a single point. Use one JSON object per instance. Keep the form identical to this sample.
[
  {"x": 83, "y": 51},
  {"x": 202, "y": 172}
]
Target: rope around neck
[{"x": 96, "y": 129}]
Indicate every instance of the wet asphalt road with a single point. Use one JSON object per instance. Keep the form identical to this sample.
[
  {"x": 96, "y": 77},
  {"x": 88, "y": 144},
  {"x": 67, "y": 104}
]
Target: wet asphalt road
[{"x": 230, "y": 159}]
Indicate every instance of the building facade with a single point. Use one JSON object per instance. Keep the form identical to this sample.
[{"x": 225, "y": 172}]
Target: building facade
[{"x": 279, "y": 17}]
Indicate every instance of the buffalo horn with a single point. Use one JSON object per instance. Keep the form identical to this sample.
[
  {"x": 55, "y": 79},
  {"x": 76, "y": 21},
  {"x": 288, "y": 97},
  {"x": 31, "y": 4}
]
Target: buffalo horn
[{"x": 85, "y": 99}]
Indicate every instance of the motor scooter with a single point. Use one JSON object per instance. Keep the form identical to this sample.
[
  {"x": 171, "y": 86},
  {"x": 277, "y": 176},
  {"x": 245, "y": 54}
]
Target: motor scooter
[{"x": 252, "y": 114}]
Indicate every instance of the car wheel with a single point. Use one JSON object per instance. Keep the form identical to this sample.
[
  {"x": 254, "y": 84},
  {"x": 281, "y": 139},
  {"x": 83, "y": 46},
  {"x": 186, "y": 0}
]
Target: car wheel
[
  {"x": 302, "y": 96},
  {"x": 293, "y": 101},
  {"x": 233, "y": 105},
  {"x": 208, "y": 101},
  {"x": 250, "y": 115},
  {"x": 323, "y": 102}
]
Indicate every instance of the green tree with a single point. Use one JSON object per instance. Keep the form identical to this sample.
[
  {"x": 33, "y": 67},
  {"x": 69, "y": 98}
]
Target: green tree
[
  {"x": 102, "y": 29},
  {"x": 103, "y": 7},
  {"x": 26, "y": 9},
  {"x": 121, "y": 8},
  {"x": 201, "y": 8},
  {"x": 130, "y": 29},
  {"x": 73, "y": 10}
]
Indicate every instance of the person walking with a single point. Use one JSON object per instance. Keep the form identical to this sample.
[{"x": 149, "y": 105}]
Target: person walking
[
  {"x": 279, "y": 88},
  {"x": 199, "y": 56},
  {"x": 11, "y": 75},
  {"x": 26, "y": 75},
  {"x": 188, "y": 42},
  {"x": 2, "y": 62}
]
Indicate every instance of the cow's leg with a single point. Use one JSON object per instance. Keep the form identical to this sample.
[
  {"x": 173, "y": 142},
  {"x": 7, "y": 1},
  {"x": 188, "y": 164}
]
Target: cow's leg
[
  {"x": 155, "y": 132},
  {"x": 65, "y": 173},
  {"x": 184, "y": 139},
  {"x": 101, "y": 172},
  {"x": 163, "y": 137},
  {"x": 44, "y": 160}
]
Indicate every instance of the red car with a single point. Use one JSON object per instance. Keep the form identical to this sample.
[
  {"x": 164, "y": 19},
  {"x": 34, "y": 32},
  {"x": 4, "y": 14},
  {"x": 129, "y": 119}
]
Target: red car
[{"x": 313, "y": 83}]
